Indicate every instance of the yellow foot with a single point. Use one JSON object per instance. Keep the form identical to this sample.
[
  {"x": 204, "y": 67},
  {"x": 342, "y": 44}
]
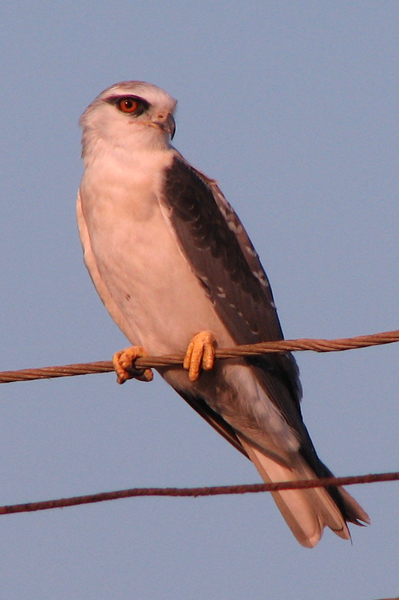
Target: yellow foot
[
  {"x": 125, "y": 367},
  {"x": 200, "y": 354}
]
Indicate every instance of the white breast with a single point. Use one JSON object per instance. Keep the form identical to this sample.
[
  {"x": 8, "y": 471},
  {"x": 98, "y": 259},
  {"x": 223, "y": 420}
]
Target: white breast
[{"x": 132, "y": 246}]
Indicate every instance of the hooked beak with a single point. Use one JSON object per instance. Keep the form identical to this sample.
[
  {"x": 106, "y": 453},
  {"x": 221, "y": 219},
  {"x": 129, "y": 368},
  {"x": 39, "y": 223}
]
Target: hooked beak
[{"x": 168, "y": 125}]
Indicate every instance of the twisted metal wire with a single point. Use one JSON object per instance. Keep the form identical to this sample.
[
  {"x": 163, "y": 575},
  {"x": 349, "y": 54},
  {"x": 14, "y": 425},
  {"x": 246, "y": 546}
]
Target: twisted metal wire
[{"x": 316, "y": 345}]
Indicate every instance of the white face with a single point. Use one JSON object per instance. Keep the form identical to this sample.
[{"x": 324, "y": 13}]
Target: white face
[{"x": 127, "y": 110}]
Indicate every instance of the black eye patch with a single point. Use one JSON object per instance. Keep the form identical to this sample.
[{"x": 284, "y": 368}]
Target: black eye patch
[{"x": 129, "y": 104}]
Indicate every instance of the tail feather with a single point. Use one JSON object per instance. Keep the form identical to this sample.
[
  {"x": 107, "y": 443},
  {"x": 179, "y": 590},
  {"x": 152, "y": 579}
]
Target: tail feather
[
  {"x": 306, "y": 512},
  {"x": 353, "y": 511}
]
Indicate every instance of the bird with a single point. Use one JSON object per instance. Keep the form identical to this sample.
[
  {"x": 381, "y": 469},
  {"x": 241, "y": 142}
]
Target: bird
[{"x": 177, "y": 272}]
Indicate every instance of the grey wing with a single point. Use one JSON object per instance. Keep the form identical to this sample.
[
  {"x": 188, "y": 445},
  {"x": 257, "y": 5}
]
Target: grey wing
[{"x": 223, "y": 258}]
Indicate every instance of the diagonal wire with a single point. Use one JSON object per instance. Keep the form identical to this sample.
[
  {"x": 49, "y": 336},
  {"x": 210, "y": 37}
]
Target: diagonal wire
[
  {"x": 316, "y": 345},
  {"x": 199, "y": 491}
]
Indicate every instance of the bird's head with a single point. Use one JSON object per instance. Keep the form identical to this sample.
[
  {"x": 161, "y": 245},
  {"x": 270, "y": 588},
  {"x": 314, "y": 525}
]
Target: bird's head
[{"x": 130, "y": 114}]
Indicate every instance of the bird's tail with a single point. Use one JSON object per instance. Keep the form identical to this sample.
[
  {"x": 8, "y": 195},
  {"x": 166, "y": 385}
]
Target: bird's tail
[{"x": 306, "y": 512}]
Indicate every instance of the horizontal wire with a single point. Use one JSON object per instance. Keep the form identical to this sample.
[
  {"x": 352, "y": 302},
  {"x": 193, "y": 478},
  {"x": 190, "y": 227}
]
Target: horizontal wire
[
  {"x": 106, "y": 366},
  {"x": 199, "y": 491},
  {"x": 317, "y": 345}
]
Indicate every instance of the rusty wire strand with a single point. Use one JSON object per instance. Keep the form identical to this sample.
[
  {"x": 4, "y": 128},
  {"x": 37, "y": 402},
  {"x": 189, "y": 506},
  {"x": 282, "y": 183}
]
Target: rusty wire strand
[
  {"x": 198, "y": 491},
  {"x": 316, "y": 345}
]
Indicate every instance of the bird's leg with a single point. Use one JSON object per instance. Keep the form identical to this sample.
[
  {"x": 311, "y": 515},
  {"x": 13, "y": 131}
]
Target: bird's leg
[
  {"x": 124, "y": 365},
  {"x": 200, "y": 354}
]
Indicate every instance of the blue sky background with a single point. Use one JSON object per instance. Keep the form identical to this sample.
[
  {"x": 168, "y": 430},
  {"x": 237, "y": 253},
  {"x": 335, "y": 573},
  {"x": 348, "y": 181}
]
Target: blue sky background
[{"x": 293, "y": 107}]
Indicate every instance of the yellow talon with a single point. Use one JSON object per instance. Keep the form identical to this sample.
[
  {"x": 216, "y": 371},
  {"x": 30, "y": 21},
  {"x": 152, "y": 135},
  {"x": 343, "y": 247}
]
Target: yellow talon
[
  {"x": 124, "y": 365},
  {"x": 200, "y": 354}
]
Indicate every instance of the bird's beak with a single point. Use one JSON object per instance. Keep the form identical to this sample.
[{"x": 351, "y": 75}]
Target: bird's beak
[{"x": 168, "y": 125}]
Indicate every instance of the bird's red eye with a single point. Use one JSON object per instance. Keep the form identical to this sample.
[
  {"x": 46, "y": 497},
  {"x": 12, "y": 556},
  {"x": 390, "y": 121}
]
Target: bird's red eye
[{"x": 128, "y": 105}]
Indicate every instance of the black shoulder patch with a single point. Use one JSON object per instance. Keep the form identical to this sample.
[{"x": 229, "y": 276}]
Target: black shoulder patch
[{"x": 235, "y": 282}]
